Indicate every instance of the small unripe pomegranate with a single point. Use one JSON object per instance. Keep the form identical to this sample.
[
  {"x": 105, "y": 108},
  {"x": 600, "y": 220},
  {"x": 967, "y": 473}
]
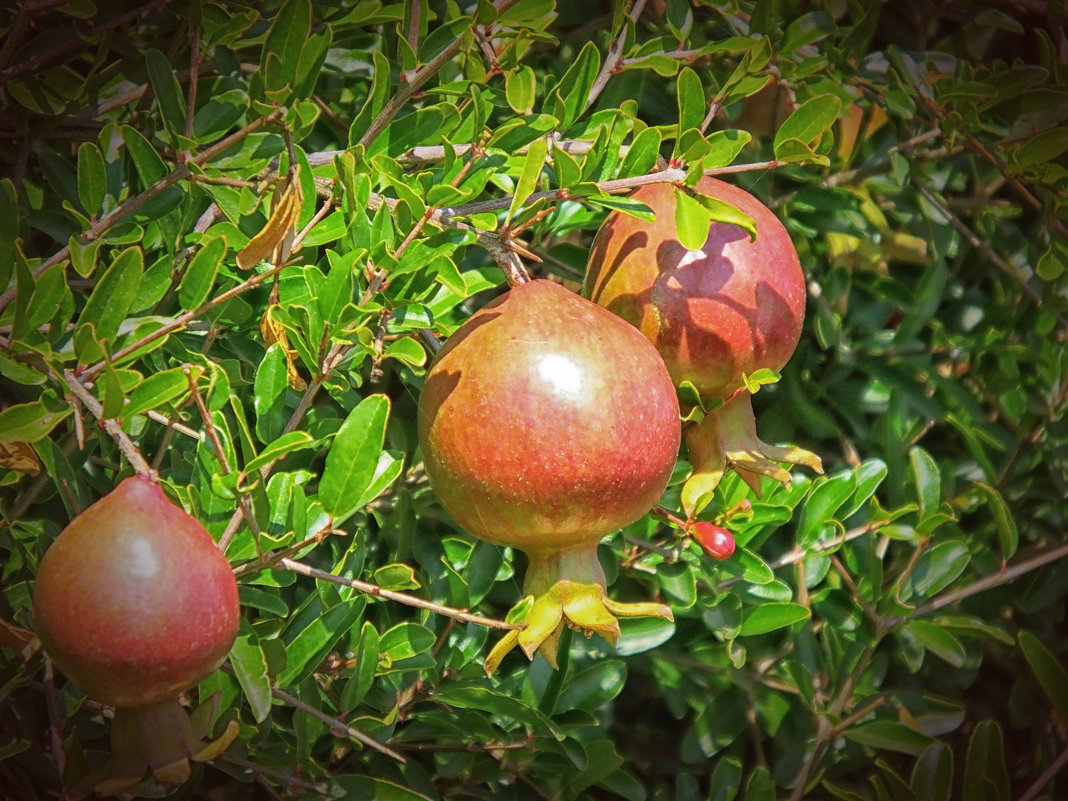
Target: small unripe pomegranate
[
  {"x": 716, "y": 315},
  {"x": 715, "y": 540},
  {"x": 545, "y": 423},
  {"x": 135, "y": 603}
]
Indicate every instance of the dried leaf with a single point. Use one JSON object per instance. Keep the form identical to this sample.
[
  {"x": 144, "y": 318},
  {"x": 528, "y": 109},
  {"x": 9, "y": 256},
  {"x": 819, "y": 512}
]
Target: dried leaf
[
  {"x": 274, "y": 241},
  {"x": 20, "y": 457},
  {"x": 273, "y": 332}
]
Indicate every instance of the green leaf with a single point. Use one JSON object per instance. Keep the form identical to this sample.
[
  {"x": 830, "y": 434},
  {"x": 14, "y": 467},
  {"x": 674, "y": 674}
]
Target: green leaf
[
  {"x": 771, "y": 617},
  {"x": 642, "y": 153},
  {"x": 567, "y": 99},
  {"x": 269, "y": 393},
  {"x": 92, "y": 178},
  {"x": 1051, "y": 674},
  {"x": 759, "y": 786},
  {"x": 147, "y": 161},
  {"x": 817, "y": 513},
  {"x": 111, "y": 298},
  {"x": 528, "y": 178},
  {"x": 808, "y": 123},
  {"x": 692, "y": 219},
  {"x": 889, "y": 735},
  {"x": 10, "y": 218},
  {"x": 1008, "y": 535},
  {"x": 284, "y": 445},
  {"x": 725, "y": 780},
  {"x": 627, "y": 205},
  {"x": 306, "y": 648},
  {"x": 30, "y": 422},
  {"x": 250, "y": 669},
  {"x": 406, "y": 132},
  {"x": 520, "y": 87},
  {"x": 938, "y": 641},
  {"x": 690, "y": 96},
  {"x": 199, "y": 276},
  {"x": 353, "y": 458},
  {"x": 724, "y": 147},
  {"x": 593, "y": 687},
  {"x": 932, "y": 776},
  {"x": 641, "y": 634},
  {"x": 986, "y": 776},
  {"x": 366, "y": 665},
  {"x": 49, "y": 291},
  {"x": 83, "y": 256},
  {"x": 406, "y": 640},
  {"x": 722, "y": 212},
  {"x": 375, "y": 102},
  {"x": 167, "y": 92},
  {"x": 927, "y": 479},
  {"x": 939, "y": 565},
  {"x": 288, "y": 36},
  {"x": 1042, "y": 147}
]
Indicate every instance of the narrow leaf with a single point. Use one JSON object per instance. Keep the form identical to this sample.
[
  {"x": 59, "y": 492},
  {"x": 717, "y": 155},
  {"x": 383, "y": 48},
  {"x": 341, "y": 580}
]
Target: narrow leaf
[
  {"x": 1049, "y": 671},
  {"x": 353, "y": 457},
  {"x": 199, "y": 276},
  {"x": 771, "y": 616},
  {"x": 528, "y": 178},
  {"x": 92, "y": 179},
  {"x": 250, "y": 668}
]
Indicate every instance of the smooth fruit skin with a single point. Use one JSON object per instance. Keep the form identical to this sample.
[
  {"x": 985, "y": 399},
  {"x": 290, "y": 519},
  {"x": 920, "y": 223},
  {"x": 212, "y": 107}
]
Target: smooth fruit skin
[
  {"x": 134, "y": 601},
  {"x": 715, "y": 540},
  {"x": 731, "y": 307},
  {"x": 547, "y": 422}
]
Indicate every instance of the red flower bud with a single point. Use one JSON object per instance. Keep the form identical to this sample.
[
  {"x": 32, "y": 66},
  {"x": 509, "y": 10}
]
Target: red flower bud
[{"x": 716, "y": 540}]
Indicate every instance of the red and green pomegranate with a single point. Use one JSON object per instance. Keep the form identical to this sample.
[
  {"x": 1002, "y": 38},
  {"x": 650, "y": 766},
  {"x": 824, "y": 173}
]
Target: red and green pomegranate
[
  {"x": 135, "y": 603},
  {"x": 546, "y": 423},
  {"x": 717, "y": 314}
]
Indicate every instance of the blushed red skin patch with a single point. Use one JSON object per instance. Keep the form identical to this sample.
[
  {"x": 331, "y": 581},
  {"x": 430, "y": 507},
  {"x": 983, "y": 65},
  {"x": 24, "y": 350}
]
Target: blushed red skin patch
[
  {"x": 134, "y": 601},
  {"x": 733, "y": 307}
]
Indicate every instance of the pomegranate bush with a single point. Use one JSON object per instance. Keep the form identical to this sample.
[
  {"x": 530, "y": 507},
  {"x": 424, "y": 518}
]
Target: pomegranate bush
[{"x": 292, "y": 259}]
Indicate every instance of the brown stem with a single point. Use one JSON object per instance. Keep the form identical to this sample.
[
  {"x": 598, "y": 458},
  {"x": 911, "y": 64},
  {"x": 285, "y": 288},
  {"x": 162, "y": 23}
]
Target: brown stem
[
  {"x": 400, "y": 597},
  {"x": 110, "y": 425}
]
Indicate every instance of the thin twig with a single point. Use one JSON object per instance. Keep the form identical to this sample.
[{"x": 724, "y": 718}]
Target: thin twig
[
  {"x": 111, "y": 426},
  {"x": 409, "y": 600},
  {"x": 335, "y": 725}
]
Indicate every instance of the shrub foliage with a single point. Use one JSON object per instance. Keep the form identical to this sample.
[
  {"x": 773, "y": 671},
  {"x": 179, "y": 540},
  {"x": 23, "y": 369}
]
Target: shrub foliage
[{"x": 231, "y": 238}]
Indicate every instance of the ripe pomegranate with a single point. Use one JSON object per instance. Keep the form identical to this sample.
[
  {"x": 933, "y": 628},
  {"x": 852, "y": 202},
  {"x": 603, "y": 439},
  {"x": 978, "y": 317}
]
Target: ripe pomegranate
[
  {"x": 545, "y": 423},
  {"x": 716, "y": 315},
  {"x": 135, "y": 603},
  {"x": 715, "y": 540}
]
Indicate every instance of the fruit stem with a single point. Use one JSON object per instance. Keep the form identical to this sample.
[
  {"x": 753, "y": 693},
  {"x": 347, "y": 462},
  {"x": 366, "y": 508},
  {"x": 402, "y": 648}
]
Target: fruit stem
[{"x": 546, "y": 568}]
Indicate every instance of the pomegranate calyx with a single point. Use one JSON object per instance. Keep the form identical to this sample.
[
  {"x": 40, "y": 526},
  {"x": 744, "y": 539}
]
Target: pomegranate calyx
[
  {"x": 152, "y": 747},
  {"x": 584, "y": 607},
  {"x": 725, "y": 439}
]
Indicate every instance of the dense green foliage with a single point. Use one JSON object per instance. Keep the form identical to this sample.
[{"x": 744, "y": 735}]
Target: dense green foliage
[{"x": 892, "y": 629}]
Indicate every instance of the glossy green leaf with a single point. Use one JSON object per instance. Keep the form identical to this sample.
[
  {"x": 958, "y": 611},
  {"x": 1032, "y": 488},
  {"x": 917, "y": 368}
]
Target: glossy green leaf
[
  {"x": 809, "y": 122},
  {"x": 932, "y": 775},
  {"x": 111, "y": 298},
  {"x": 771, "y": 617},
  {"x": 1049, "y": 671},
  {"x": 889, "y": 735},
  {"x": 167, "y": 92},
  {"x": 199, "y": 276},
  {"x": 719, "y": 211},
  {"x": 353, "y": 458},
  {"x": 533, "y": 164},
  {"x": 939, "y": 566},
  {"x": 690, "y": 98},
  {"x": 928, "y": 480},
  {"x": 692, "y": 219},
  {"x": 641, "y": 634},
  {"x": 938, "y": 641},
  {"x": 306, "y": 648},
  {"x": 147, "y": 161},
  {"x": 725, "y": 146},
  {"x": 250, "y": 668},
  {"x": 567, "y": 99},
  {"x": 376, "y": 99},
  {"x": 593, "y": 687},
  {"x": 281, "y": 447},
  {"x": 49, "y": 291},
  {"x": 365, "y": 667},
  {"x": 288, "y": 35},
  {"x": 642, "y": 153},
  {"x": 759, "y": 786},
  {"x": 32, "y": 421},
  {"x": 817, "y": 513},
  {"x": 726, "y": 779},
  {"x": 92, "y": 180},
  {"x": 986, "y": 776},
  {"x": 269, "y": 393},
  {"x": 520, "y": 88},
  {"x": 1008, "y": 535},
  {"x": 388, "y": 469}
]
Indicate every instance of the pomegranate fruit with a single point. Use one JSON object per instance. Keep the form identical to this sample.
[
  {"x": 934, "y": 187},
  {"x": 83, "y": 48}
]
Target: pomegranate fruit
[
  {"x": 545, "y": 423},
  {"x": 717, "y": 315},
  {"x": 135, "y": 603}
]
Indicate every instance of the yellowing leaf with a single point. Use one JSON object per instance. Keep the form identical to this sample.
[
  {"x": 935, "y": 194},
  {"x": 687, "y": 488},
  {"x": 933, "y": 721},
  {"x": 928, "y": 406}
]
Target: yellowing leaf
[
  {"x": 273, "y": 332},
  {"x": 274, "y": 241},
  {"x": 20, "y": 457}
]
